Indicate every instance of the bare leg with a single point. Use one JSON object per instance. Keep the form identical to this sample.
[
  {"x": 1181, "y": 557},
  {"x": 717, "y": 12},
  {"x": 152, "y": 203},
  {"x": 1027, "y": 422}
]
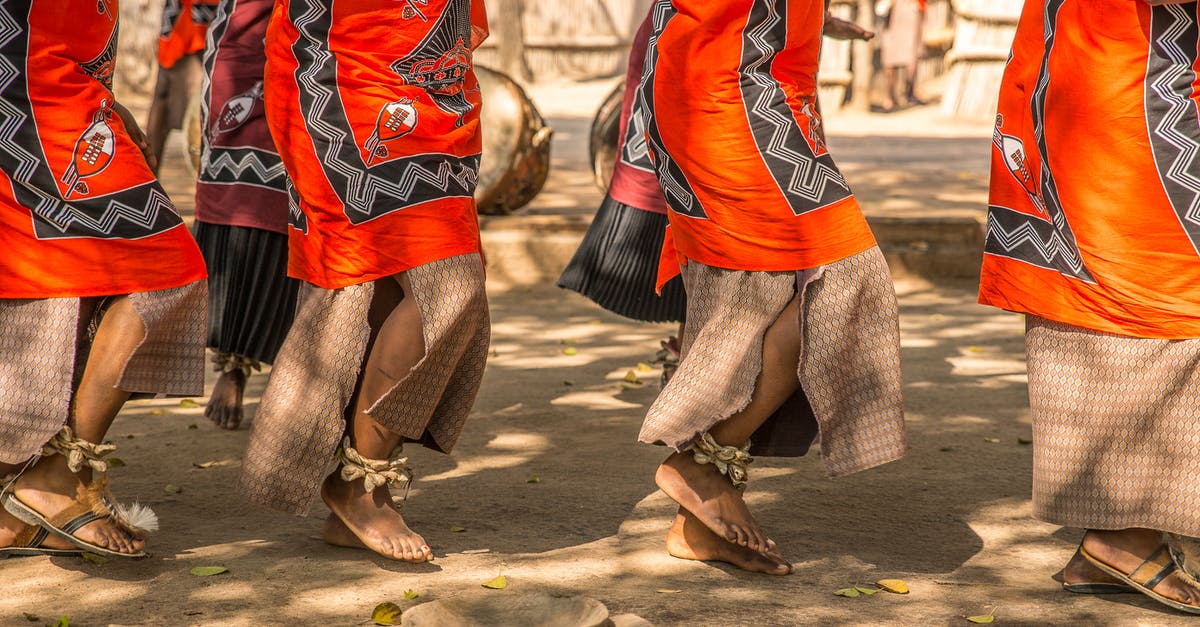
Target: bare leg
[
  {"x": 370, "y": 515},
  {"x": 889, "y": 101},
  {"x": 49, "y": 486},
  {"x": 225, "y": 403},
  {"x": 706, "y": 493},
  {"x": 911, "y": 86},
  {"x": 156, "y": 127},
  {"x": 1126, "y": 549}
]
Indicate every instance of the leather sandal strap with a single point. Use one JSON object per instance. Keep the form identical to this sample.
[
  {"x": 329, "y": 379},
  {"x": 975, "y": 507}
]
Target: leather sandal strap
[
  {"x": 72, "y": 513},
  {"x": 1162, "y": 574},
  {"x": 1154, "y": 569},
  {"x": 30, "y": 536},
  {"x": 77, "y": 523}
]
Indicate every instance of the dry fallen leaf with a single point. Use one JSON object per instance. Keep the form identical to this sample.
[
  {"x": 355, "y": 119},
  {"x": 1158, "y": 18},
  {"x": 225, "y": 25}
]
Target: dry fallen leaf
[
  {"x": 568, "y": 382},
  {"x": 409, "y": 595},
  {"x": 896, "y": 586},
  {"x": 188, "y": 403},
  {"x": 208, "y": 571},
  {"x": 204, "y": 464},
  {"x": 171, "y": 488},
  {"x": 631, "y": 377},
  {"x": 984, "y": 619},
  {"x": 1025, "y": 441},
  {"x": 95, "y": 559},
  {"x": 992, "y": 440},
  {"x": 668, "y": 591},
  {"x": 499, "y": 583},
  {"x": 386, "y": 613},
  {"x": 866, "y": 591},
  {"x": 157, "y": 412},
  {"x": 534, "y": 478},
  {"x": 193, "y": 427},
  {"x": 644, "y": 367},
  {"x": 570, "y": 350},
  {"x": 849, "y": 593},
  {"x": 457, "y": 529},
  {"x": 115, "y": 462}
]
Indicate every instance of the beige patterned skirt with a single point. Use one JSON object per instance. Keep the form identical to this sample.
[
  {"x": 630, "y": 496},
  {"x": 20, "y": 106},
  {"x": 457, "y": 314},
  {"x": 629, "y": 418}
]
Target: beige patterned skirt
[
  {"x": 303, "y": 413},
  {"x": 849, "y": 371},
  {"x": 44, "y": 344},
  {"x": 1116, "y": 429}
]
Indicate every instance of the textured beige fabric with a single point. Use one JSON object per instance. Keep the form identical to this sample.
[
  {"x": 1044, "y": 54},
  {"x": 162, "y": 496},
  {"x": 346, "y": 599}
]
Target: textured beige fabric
[
  {"x": 170, "y": 360},
  {"x": 1116, "y": 429},
  {"x": 42, "y": 345},
  {"x": 37, "y": 355},
  {"x": 302, "y": 417},
  {"x": 849, "y": 371}
]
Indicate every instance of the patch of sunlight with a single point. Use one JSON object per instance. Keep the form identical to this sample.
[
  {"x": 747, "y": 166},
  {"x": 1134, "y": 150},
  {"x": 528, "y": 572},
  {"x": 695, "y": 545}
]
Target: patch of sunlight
[
  {"x": 767, "y": 472},
  {"x": 594, "y": 400},
  {"x": 224, "y": 551},
  {"x": 480, "y": 463},
  {"x": 226, "y": 590},
  {"x": 917, "y": 342},
  {"x": 510, "y": 410},
  {"x": 975, "y": 366},
  {"x": 520, "y": 442},
  {"x": 756, "y": 498}
]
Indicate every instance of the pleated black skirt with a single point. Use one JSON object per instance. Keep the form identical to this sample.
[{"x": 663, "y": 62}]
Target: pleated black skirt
[
  {"x": 251, "y": 300},
  {"x": 617, "y": 265}
]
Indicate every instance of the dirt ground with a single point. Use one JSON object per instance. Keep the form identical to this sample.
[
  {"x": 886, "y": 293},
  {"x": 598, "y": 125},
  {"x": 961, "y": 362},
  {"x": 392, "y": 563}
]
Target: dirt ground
[{"x": 549, "y": 488}]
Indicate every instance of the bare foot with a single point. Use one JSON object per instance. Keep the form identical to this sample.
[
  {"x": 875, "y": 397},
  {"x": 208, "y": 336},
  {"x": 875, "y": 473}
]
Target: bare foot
[
  {"x": 1125, "y": 550},
  {"x": 370, "y": 517},
  {"x": 225, "y": 404},
  {"x": 1080, "y": 570},
  {"x": 11, "y": 527},
  {"x": 708, "y": 494},
  {"x": 49, "y": 488},
  {"x": 689, "y": 539}
]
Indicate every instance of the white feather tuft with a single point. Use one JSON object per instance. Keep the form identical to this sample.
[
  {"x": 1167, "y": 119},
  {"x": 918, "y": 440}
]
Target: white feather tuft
[{"x": 137, "y": 517}]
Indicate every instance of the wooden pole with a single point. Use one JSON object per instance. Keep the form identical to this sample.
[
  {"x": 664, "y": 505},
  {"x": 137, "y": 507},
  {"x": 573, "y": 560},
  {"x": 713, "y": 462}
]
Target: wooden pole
[
  {"x": 864, "y": 60},
  {"x": 507, "y": 23}
]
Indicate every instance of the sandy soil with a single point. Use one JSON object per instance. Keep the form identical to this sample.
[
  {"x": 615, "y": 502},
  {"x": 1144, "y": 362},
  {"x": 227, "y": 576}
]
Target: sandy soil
[{"x": 952, "y": 519}]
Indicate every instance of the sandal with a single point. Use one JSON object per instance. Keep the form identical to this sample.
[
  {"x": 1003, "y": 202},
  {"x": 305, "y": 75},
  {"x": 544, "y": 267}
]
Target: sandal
[
  {"x": 97, "y": 502},
  {"x": 92, "y": 507},
  {"x": 1146, "y": 576},
  {"x": 29, "y": 543},
  {"x": 1095, "y": 587}
]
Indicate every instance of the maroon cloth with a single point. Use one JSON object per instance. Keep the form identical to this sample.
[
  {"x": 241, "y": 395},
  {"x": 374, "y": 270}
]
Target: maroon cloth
[
  {"x": 634, "y": 181},
  {"x": 242, "y": 180}
]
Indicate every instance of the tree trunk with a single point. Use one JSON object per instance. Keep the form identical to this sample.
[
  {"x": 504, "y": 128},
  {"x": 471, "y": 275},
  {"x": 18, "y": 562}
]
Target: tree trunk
[
  {"x": 137, "y": 63},
  {"x": 506, "y": 22},
  {"x": 864, "y": 60}
]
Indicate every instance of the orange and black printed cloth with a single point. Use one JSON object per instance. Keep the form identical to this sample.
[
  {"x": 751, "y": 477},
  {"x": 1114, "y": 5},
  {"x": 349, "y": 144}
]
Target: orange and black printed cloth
[
  {"x": 737, "y": 140},
  {"x": 81, "y": 214},
  {"x": 242, "y": 181},
  {"x": 375, "y": 109},
  {"x": 1094, "y": 216},
  {"x": 184, "y": 28}
]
